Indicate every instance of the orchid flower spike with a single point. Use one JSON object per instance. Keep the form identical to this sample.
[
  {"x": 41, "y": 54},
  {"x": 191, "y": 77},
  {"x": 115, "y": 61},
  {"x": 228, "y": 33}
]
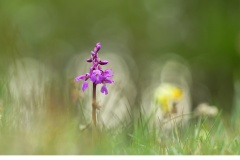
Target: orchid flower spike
[{"x": 96, "y": 74}]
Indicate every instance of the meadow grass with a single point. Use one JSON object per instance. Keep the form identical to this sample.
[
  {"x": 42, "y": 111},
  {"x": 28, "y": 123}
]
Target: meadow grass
[{"x": 60, "y": 134}]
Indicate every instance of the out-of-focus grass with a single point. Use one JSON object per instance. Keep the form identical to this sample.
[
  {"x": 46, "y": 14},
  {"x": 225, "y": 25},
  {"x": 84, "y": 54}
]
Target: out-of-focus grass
[{"x": 60, "y": 134}]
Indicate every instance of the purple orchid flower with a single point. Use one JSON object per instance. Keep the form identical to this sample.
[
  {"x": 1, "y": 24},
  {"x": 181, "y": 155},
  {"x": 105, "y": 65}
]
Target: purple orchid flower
[{"x": 96, "y": 74}]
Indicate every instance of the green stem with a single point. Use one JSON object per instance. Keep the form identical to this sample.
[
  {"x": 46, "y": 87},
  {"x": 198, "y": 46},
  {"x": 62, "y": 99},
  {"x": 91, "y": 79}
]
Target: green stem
[{"x": 94, "y": 107}]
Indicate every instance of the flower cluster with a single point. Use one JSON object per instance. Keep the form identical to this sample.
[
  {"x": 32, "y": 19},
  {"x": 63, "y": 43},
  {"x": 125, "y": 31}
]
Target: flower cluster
[{"x": 96, "y": 74}]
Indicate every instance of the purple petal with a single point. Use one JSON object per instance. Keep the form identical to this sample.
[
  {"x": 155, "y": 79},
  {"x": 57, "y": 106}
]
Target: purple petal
[
  {"x": 93, "y": 78},
  {"x": 98, "y": 80},
  {"x": 104, "y": 89},
  {"x": 108, "y": 73},
  {"x": 78, "y": 78},
  {"x": 101, "y": 78},
  {"x": 84, "y": 86},
  {"x": 96, "y": 72},
  {"x": 104, "y": 62},
  {"x": 108, "y": 81}
]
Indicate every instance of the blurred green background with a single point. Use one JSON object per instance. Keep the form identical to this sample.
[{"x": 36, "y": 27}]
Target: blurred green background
[{"x": 205, "y": 33}]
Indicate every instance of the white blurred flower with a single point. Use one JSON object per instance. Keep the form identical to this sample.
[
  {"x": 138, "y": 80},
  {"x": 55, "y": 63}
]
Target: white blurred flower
[
  {"x": 28, "y": 81},
  {"x": 205, "y": 109}
]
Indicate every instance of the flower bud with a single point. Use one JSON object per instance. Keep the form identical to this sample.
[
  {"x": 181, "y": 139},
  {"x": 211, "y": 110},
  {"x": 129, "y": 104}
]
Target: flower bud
[
  {"x": 89, "y": 60},
  {"x": 104, "y": 62},
  {"x": 97, "y": 48}
]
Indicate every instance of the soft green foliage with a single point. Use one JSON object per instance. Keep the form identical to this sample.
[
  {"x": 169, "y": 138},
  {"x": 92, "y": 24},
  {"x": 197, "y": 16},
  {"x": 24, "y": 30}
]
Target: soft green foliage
[{"x": 204, "y": 33}]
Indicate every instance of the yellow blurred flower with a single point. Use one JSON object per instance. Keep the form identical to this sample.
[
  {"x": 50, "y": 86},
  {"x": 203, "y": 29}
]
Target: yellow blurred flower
[{"x": 167, "y": 96}]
